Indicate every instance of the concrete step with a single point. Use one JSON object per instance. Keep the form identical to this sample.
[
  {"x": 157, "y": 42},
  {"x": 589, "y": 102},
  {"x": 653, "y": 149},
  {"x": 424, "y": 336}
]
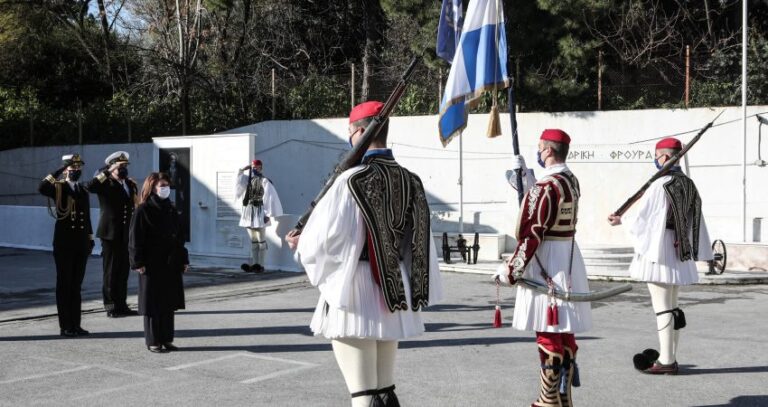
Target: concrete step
[
  {"x": 596, "y": 250},
  {"x": 608, "y": 258},
  {"x": 601, "y": 267}
]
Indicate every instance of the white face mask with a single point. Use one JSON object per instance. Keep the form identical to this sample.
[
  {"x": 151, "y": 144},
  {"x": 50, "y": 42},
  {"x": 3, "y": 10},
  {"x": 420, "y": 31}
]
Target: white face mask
[{"x": 164, "y": 192}]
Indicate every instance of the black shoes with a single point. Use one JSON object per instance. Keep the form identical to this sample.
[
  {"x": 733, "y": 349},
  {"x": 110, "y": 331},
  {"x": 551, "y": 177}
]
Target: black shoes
[
  {"x": 69, "y": 333},
  {"x": 127, "y": 312},
  {"x": 170, "y": 346},
  {"x": 156, "y": 349},
  {"x": 117, "y": 313},
  {"x": 251, "y": 268}
]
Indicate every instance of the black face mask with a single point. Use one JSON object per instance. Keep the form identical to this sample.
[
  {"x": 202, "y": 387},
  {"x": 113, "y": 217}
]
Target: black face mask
[
  {"x": 74, "y": 175},
  {"x": 122, "y": 172}
]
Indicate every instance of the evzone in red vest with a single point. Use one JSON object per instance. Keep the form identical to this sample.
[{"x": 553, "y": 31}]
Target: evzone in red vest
[{"x": 548, "y": 253}]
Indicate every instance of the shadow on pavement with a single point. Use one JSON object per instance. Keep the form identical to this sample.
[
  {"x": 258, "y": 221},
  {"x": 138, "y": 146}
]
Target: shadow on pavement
[
  {"x": 180, "y": 333},
  {"x": 742, "y": 401},
  {"x": 690, "y": 370},
  {"x": 459, "y": 308},
  {"x": 247, "y": 311}
]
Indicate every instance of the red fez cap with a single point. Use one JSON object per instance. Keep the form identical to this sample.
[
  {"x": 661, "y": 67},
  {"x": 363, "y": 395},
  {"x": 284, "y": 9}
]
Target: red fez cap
[
  {"x": 556, "y": 135},
  {"x": 256, "y": 162},
  {"x": 365, "y": 110},
  {"x": 669, "y": 142}
]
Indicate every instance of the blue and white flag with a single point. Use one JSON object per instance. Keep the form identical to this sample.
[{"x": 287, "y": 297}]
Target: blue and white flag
[
  {"x": 449, "y": 29},
  {"x": 480, "y": 64}
]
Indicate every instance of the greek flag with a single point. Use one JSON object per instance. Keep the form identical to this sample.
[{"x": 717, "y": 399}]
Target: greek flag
[
  {"x": 449, "y": 29},
  {"x": 479, "y": 64}
]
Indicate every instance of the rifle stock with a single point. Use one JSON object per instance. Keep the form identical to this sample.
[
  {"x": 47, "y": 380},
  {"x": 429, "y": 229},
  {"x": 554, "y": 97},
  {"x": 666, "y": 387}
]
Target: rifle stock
[
  {"x": 665, "y": 169},
  {"x": 354, "y": 156}
]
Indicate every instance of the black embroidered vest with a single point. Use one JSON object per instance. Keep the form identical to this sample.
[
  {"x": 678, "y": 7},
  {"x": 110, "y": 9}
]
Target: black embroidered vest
[
  {"x": 684, "y": 213},
  {"x": 396, "y": 213},
  {"x": 254, "y": 193}
]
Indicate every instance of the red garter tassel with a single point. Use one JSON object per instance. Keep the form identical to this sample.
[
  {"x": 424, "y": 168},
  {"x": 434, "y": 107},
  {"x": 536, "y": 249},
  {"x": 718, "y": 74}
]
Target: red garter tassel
[
  {"x": 497, "y": 317},
  {"x": 497, "y": 314},
  {"x": 552, "y": 317}
]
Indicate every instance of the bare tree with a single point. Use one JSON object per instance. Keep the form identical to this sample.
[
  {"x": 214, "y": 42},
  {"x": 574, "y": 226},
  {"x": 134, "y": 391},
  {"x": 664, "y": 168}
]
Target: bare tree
[{"x": 173, "y": 32}]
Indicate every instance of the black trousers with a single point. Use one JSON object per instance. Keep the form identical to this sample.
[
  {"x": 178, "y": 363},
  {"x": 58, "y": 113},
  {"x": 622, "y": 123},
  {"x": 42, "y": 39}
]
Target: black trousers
[
  {"x": 70, "y": 271},
  {"x": 114, "y": 254},
  {"x": 158, "y": 329}
]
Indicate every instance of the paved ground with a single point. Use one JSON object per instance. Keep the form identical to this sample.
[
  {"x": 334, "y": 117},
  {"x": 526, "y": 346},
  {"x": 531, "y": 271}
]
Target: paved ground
[{"x": 245, "y": 341}]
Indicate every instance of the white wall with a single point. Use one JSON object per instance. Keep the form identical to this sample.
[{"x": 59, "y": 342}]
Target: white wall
[
  {"x": 31, "y": 227},
  {"x": 22, "y": 169},
  {"x": 215, "y": 239},
  {"x": 298, "y": 154}
]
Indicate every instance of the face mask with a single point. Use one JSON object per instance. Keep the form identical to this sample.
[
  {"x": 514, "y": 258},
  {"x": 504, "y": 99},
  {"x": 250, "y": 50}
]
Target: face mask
[
  {"x": 122, "y": 172},
  {"x": 164, "y": 192},
  {"x": 657, "y": 163},
  {"x": 74, "y": 175},
  {"x": 539, "y": 160}
]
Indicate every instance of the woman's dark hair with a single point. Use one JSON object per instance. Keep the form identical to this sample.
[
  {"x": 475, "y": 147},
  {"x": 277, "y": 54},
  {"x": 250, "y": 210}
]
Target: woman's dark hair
[{"x": 149, "y": 184}]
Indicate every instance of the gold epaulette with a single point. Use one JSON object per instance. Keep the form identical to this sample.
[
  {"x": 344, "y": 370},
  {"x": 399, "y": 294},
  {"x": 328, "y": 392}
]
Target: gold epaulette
[
  {"x": 101, "y": 177},
  {"x": 49, "y": 178}
]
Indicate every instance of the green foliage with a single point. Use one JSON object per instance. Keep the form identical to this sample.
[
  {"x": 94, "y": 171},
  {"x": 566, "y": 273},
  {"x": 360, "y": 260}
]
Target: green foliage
[
  {"x": 56, "y": 71},
  {"x": 317, "y": 96}
]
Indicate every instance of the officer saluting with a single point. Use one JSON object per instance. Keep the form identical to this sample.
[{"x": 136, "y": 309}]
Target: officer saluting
[
  {"x": 117, "y": 199},
  {"x": 72, "y": 239}
]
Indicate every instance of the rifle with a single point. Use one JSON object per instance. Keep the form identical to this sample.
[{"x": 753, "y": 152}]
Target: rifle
[
  {"x": 665, "y": 169},
  {"x": 354, "y": 156}
]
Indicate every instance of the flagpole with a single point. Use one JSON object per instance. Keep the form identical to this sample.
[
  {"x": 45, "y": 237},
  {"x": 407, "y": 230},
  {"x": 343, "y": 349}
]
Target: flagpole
[
  {"x": 515, "y": 143},
  {"x": 744, "y": 27},
  {"x": 461, "y": 184},
  {"x": 512, "y": 118}
]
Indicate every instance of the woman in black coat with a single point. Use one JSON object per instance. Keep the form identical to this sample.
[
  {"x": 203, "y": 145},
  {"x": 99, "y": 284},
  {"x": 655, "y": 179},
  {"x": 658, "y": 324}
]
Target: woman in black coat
[{"x": 157, "y": 253}]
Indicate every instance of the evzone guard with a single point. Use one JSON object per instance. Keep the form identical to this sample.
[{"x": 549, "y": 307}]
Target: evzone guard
[
  {"x": 368, "y": 247},
  {"x": 547, "y": 254},
  {"x": 260, "y": 203},
  {"x": 669, "y": 234},
  {"x": 72, "y": 239}
]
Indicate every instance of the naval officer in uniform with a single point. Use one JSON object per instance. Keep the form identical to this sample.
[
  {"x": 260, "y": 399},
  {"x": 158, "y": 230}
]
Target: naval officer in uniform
[
  {"x": 72, "y": 239},
  {"x": 117, "y": 200}
]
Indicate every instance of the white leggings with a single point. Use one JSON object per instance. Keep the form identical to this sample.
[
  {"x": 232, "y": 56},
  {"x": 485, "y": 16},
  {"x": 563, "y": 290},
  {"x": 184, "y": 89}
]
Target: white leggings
[
  {"x": 258, "y": 245},
  {"x": 366, "y": 364},
  {"x": 663, "y": 298}
]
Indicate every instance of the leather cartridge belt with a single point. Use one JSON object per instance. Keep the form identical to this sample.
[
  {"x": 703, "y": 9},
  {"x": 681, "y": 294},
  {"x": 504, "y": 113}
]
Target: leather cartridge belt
[{"x": 560, "y": 235}]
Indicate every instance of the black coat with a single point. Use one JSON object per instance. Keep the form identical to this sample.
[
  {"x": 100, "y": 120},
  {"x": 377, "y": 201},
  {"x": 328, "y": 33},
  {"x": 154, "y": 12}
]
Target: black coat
[
  {"x": 72, "y": 232},
  {"x": 157, "y": 244},
  {"x": 115, "y": 204}
]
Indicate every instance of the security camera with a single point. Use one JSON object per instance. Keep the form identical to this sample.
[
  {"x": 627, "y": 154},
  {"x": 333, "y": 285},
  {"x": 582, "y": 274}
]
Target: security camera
[{"x": 762, "y": 119}]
